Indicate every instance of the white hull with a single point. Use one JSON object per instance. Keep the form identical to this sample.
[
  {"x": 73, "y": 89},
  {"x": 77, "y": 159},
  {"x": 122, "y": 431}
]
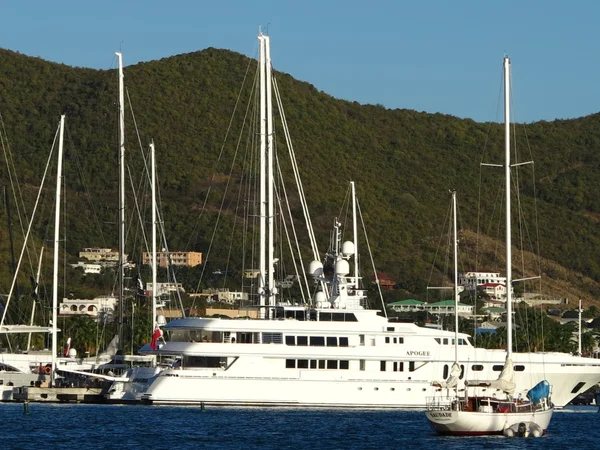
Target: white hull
[
  {"x": 257, "y": 373},
  {"x": 483, "y": 423}
]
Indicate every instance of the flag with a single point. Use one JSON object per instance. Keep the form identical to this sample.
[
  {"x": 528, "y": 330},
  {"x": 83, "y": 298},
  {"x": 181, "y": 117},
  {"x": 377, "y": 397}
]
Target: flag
[
  {"x": 68, "y": 347},
  {"x": 155, "y": 337}
]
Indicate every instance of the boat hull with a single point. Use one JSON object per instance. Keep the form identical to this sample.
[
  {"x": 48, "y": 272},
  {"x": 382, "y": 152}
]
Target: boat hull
[{"x": 473, "y": 423}]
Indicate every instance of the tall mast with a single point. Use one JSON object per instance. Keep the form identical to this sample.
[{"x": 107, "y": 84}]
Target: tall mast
[
  {"x": 507, "y": 188},
  {"x": 263, "y": 144},
  {"x": 455, "y": 242},
  {"x": 270, "y": 200},
  {"x": 121, "y": 194},
  {"x": 37, "y": 283},
  {"x": 153, "y": 165},
  {"x": 56, "y": 246},
  {"x": 355, "y": 235}
]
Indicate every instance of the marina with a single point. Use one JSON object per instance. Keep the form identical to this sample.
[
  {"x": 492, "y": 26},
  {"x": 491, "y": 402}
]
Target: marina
[{"x": 268, "y": 275}]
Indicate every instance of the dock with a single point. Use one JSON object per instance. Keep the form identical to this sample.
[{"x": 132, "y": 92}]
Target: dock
[{"x": 58, "y": 394}]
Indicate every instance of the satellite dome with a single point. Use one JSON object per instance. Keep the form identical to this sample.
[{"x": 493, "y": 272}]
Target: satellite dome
[
  {"x": 321, "y": 300},
  {"x": 342, "y": 267},
  {"x": 72, "y": 353},
  {"x": 348, "y": 248},
  {"x": 160, "y": 320},
  {"x": 316, "y": 268}
]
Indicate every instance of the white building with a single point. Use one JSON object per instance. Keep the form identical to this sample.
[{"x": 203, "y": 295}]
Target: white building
[
  {"x": 164, "y": 289},
  {"x": 470, "y": 280},
  {"x": 225, "y": 295},
  {"x": 495, "y": 290},
  {"x": 100, "y": 254},
  {"x": 103, "y": 305},
  {"x": 88, "y": 267}
]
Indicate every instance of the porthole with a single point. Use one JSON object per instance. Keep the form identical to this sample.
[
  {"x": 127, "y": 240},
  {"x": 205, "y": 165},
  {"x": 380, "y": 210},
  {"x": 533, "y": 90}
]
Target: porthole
[
  {"x": 360, "y": 389},
  {"x": 392, "y": 389},
  {"x": 376, "y": 388}
]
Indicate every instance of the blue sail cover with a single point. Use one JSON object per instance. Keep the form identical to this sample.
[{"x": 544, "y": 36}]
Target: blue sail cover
[{"x": 539, "y": 391}]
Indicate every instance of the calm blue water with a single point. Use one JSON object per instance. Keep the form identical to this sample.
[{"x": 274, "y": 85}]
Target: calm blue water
[{"x": 149, "y": 427}]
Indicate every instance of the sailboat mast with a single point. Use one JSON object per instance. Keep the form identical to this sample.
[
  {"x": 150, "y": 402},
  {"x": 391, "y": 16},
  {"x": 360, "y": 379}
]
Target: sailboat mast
[
  {"x": 456, "y": 298},
  {"x": 35, "y": 294},
  {"x": 355, "y": 235},
  {"x": 263, "y": 144},
  {"x": 270, "y": 200},
  {"x": 121, "y": 193},
  {"x": 508, "y": 217},
  {"x": 153, "y": 168},
  {"x": 56, "y": 246}
]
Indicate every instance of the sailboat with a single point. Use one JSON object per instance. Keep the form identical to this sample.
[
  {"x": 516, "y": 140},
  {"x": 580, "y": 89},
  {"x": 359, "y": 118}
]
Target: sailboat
[{"x": 484, "y": 414}]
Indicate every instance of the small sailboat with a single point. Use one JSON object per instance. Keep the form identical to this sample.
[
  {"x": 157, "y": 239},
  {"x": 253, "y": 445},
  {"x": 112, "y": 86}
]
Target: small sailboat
[{"x": 477, "y": 414}]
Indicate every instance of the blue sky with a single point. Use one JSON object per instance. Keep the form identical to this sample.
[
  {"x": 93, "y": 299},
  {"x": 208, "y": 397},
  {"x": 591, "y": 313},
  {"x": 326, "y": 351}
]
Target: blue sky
[{"x": 426, "y": 55}]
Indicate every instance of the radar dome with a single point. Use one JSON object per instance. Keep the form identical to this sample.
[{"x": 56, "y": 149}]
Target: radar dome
[
  {"x": 342, "y": 267},
  {"x": 160, "y": 320},
  {"x": 72, "y": 353},
  {"x": 321, "y": 300},
  {"x": 316, "y": 268},
  {"x": 348, "y": 248}
]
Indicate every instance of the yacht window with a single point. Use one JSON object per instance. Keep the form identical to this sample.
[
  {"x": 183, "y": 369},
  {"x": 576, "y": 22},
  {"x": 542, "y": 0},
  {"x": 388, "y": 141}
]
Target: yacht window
[
  {"x": 244, "y": 338},
  {"x": 577, "y": 387},
  {"x": 382, "y": 366},
  {"x": 325, "y": 317},
  {"x": 497, "y": 368},
  {"x": 317, "y": 341},
  {"x": 331, "y": 341},
  {"x": 476, "y": 367},
  {"x": 337, "y": 317},
  {"x": 400, "y": 340},
  {"x": 462, "y": 372},
  {"x": 395, "y": 340},
  {"x": 461, "y": 341},
  {"x": 519, "y": 368},
  {"x": 290, "y": 340},
  {"x": 302, "y": 340},
  {"x": 391, "y": 329},
  {"x": 445, "y": 341},
  {"x": 350, "y": 317},
  {"x": 332, "y": 364},
  {"x": 387, "y": 340},
  {"x": 362, "y": 364},
  {"x": 290, "y": 363},
  {"x": 271, "y": 338},
  {"x": 343, "y": 342},
  {"x": 313, "y": 363},
  {"x": 411, "y": 366},
  {"x": 204, "y": 361},
  {"x": 445, "y": 376},
  {"x": 344, "y": 365},
  {"x": 438, "y": 340},
  {"x": 321, "y": 364},
  {"x": 312, "y": 315},
  {"x": 303, "y": 364}
]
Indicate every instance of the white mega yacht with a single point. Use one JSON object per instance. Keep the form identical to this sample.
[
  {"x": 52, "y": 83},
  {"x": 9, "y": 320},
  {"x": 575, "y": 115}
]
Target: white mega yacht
[
  {"x": 338, "y": 356},
  {"x": 330, "y": 351}
]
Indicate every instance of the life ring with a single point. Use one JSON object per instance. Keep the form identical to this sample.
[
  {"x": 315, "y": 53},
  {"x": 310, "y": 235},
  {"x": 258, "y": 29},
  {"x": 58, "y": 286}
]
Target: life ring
[{"x": 47, "y": 370}]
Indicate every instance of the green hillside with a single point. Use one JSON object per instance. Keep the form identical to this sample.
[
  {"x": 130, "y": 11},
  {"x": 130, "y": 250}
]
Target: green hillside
[{"x": 403, "y": 162}]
